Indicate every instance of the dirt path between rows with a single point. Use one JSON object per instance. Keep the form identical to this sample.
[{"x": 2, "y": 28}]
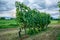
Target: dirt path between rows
[
  {"x": 48, "y": 35},
  {"x": 14, "y": 30},
  {"x": 7, "y": 31},
  {"x": 12, "y": 33}
]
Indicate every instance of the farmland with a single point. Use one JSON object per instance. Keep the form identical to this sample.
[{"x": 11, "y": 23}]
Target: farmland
[
  {"x": 8, "y": 24},
  {"x": 13, "y": 29},
  {"x": 29, "y": 23}
]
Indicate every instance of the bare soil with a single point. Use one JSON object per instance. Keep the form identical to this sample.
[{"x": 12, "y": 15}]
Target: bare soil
[{"x": 12, "y": 34}]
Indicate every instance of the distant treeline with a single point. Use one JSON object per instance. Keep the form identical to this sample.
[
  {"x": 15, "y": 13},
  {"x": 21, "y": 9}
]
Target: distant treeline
[
  {"x": 5, "y": 18},
  {"x": 54, "y": 18}
]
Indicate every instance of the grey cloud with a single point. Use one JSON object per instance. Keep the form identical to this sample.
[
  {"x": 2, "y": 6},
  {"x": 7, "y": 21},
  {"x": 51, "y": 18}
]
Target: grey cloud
[{"x": 6, "y": 5}]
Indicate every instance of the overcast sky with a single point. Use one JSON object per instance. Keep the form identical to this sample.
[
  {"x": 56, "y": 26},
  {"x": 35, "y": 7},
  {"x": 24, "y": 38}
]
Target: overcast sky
[{"x": 49, "y": 6}]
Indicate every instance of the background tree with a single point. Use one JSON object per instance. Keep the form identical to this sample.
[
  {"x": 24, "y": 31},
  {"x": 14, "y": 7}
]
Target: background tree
[{"x": 59, "y": 10}]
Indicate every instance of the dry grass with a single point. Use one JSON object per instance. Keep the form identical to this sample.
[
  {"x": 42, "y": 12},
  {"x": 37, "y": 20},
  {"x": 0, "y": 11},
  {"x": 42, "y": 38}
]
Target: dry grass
[{"x": 51, "y": 34}]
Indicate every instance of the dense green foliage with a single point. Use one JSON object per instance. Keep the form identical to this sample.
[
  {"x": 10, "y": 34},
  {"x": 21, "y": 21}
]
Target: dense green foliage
[
  {"x": 31, "y": 19},
  {"x": 59, "y": 10},
  {"x": 59, "y": 4}
]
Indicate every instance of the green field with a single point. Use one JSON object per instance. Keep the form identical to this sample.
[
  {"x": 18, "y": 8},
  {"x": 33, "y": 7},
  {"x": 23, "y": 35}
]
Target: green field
[
  {"x": 8, "y": 24},
  {"x": 13, "y": 23}
]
